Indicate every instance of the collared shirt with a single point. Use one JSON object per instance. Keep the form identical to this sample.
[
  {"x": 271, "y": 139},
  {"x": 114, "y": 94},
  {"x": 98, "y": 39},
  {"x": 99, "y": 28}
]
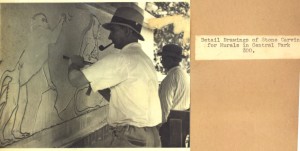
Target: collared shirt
[
  {"x": 131, "y": 76},
  {"x": 174, "y": 91}
]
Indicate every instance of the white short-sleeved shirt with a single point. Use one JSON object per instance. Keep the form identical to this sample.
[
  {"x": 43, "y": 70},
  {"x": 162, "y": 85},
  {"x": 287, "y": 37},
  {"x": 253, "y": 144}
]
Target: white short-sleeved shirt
[
  {"x": 174, "y": 92},
  {"x": 131, "y": 76}
]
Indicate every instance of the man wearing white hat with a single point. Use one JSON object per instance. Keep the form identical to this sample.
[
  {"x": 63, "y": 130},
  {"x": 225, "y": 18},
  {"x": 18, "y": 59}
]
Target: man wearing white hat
[{"x": 134, "y": 109}]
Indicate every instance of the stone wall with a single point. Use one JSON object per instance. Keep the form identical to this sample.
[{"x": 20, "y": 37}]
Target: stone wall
[{"x": 35, "y": 93}]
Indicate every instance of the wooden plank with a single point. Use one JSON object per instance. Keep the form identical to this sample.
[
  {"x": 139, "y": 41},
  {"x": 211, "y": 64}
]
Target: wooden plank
[{"x": 176, "y": 133}]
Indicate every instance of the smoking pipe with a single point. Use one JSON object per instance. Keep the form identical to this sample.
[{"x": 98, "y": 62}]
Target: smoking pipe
[{"x": 101, "y": 47}]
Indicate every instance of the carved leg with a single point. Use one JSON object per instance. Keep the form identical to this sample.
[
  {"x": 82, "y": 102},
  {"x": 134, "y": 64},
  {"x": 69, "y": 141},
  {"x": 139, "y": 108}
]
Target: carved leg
[
  {"x": 22, "y": 103},
  {"x": 10, "y": 95}
]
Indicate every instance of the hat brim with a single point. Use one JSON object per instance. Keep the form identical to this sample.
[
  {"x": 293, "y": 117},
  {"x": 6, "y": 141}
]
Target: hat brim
[
  {"x": 108, "y": 27},
  {"x": 171, "y": 55}
]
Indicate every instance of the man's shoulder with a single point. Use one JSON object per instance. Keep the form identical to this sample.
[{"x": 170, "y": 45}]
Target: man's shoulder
[
  {"x": 114, "y": 55},
  {"x": 177, "y": 72}
]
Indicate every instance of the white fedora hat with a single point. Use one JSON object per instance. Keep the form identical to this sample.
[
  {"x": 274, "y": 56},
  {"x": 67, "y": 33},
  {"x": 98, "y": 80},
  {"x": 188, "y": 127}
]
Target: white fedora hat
[{"x": 128, "y": 17}]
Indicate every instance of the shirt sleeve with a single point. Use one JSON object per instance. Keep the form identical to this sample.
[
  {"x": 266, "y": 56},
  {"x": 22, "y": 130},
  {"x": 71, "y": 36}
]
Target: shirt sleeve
[
  {"x": 166, "y": 95},
  {"x": 107, "y": 72}
]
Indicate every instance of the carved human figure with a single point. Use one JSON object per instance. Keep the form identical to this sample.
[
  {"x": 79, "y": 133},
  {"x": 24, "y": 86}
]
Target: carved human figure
[
  {"x": 89, "y": 51},
  {"x": 32, "y": 60},
  {"x": 89, "y": 45}
]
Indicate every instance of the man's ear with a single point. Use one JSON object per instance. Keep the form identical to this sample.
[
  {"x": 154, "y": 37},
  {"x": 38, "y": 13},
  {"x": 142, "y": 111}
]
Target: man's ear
[{"x": 128, "y": 31}]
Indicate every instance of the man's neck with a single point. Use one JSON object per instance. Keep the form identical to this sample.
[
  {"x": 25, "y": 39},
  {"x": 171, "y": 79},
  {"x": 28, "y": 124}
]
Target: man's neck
[
  {"x": 167, "y": 70},
  {"x": 127, "y": 45},
  {"x": 129, "y": 41}
]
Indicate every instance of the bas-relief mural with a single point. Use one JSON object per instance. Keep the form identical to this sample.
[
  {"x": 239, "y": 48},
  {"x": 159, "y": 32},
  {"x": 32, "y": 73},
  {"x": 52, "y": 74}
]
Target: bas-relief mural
[
  {"x": 89, "y": 46},
  {"x": 31, "y": 75},
  {"x": 90, "y": 52},
  {"x": 33, "y": 61}
]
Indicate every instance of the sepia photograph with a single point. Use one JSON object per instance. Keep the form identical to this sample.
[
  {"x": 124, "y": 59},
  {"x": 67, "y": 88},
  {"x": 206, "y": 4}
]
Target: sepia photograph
[
  {"x": 110, "y": 74},
  {"x": 95, "y": 75}
]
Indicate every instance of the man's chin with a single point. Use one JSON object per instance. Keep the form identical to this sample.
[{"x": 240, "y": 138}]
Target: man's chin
[{"x": 116, "y": 46}]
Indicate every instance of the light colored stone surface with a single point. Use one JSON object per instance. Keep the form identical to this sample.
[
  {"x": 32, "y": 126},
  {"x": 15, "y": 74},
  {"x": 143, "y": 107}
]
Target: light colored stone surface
[
  {"x": 67, "y": 132},
  {"x": 49, "y": 104}
]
